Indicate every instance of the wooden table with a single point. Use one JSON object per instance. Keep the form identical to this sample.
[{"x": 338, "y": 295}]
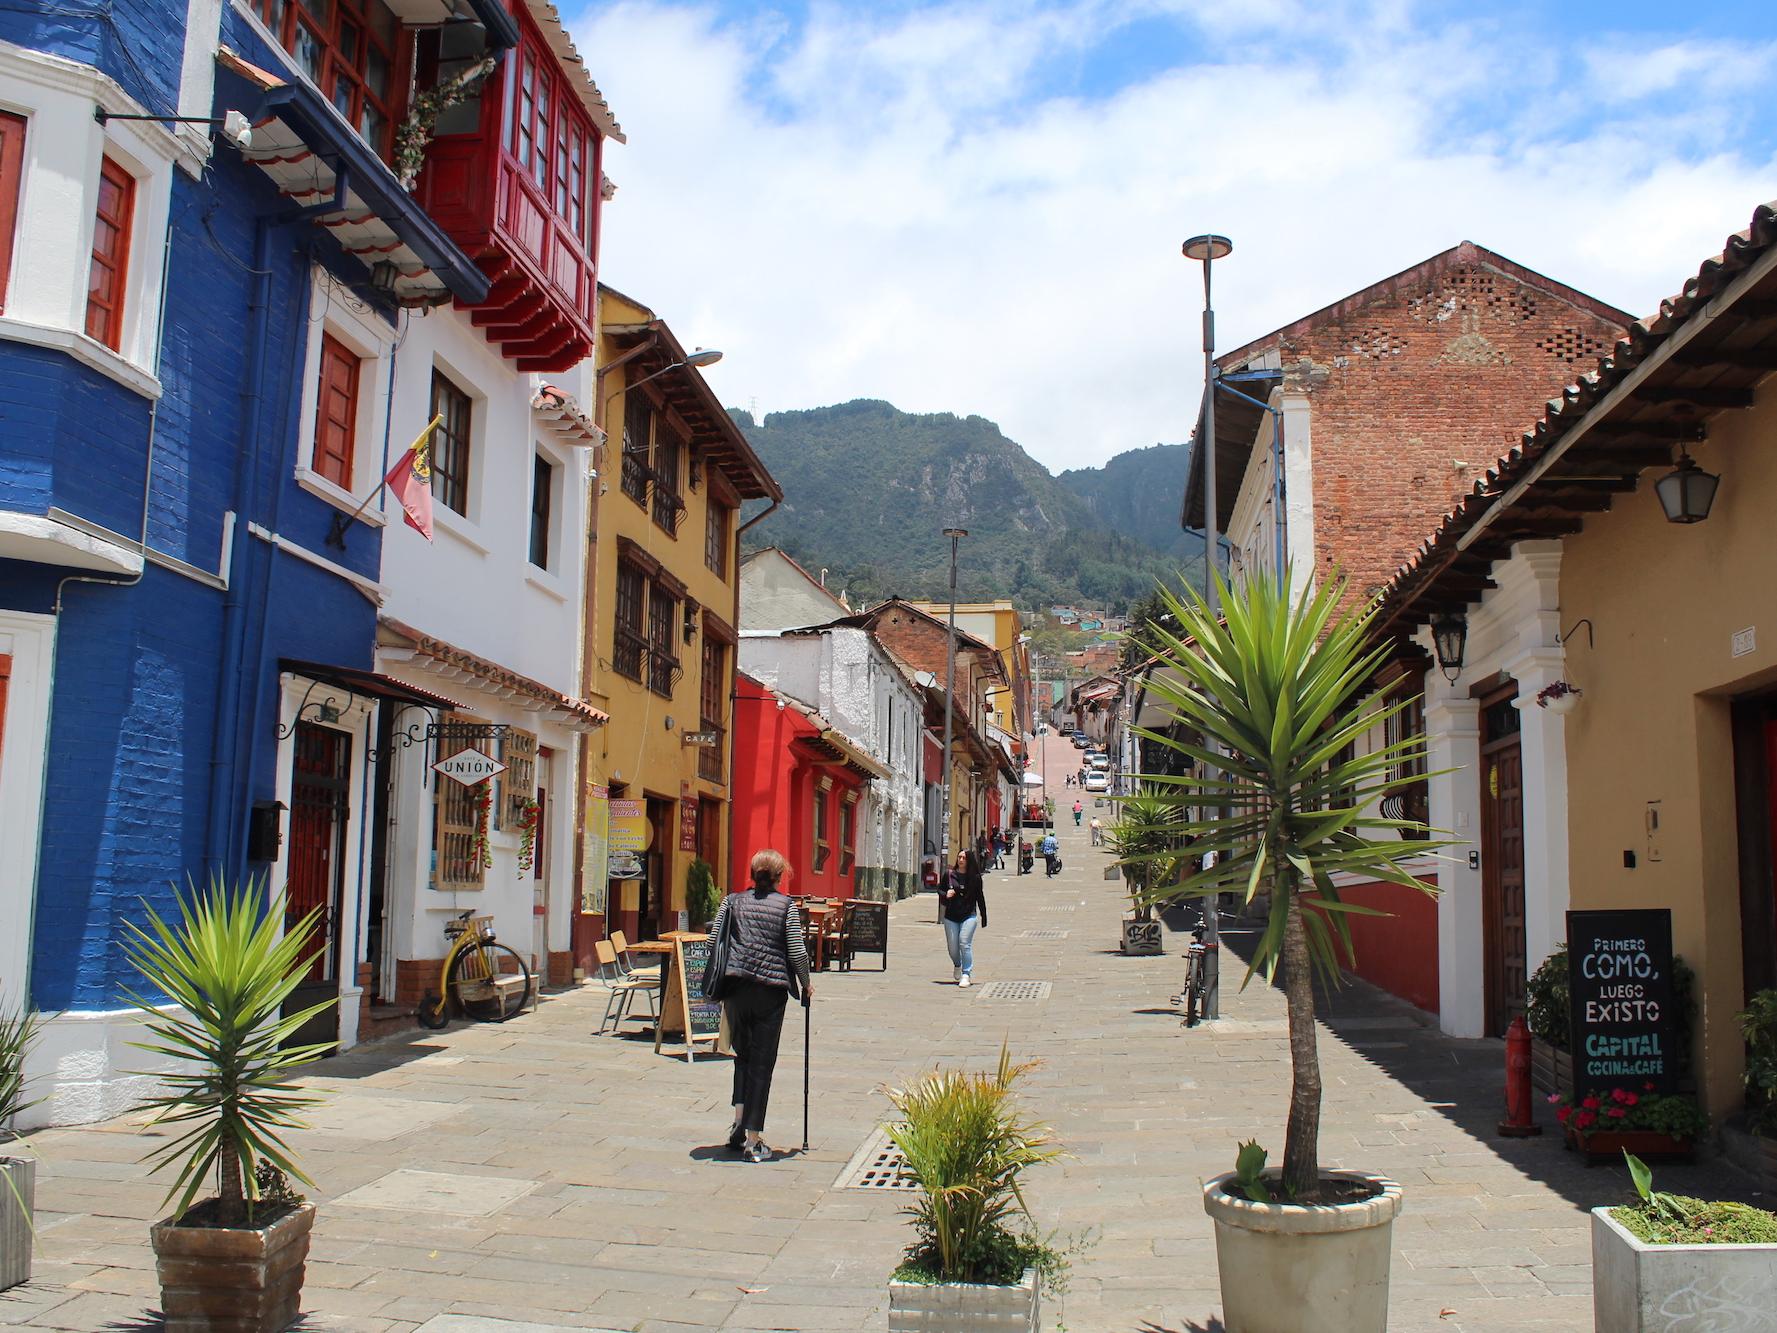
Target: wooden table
[{"x": 817, "y": 915}]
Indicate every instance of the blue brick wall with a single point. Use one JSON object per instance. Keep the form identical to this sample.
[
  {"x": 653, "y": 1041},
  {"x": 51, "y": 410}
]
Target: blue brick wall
[{"x": 140, "y": 43}]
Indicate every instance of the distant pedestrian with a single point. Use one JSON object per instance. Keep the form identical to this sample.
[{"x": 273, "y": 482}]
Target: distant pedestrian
[
  {"x": 767, "y": 953},
  {"x": 1051, "y": 853},
  {"x": 1097, "y": 832},
  {"x": 983, "y": 851},
  {"x": 965, "y": 911},
  {"x": 1078, "y": 811},
  {"x": 999, "y": 847}
]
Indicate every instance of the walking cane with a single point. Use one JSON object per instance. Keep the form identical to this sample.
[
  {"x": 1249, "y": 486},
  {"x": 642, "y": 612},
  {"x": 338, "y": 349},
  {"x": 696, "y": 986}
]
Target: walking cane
[{"x": 807, "y": 1032}]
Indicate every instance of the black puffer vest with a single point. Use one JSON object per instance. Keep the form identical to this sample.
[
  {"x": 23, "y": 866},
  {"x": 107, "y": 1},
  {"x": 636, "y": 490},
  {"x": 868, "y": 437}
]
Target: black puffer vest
[{"x": 758, "y": 950}]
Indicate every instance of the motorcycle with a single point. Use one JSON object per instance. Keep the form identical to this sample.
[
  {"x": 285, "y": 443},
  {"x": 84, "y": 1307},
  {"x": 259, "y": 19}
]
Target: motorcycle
[{"x": 1026, "y": 858}]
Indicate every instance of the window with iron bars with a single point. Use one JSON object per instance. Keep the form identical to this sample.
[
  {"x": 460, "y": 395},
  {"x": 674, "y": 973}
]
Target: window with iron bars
[
  {"x": 638, "y": 421},
  {"x": 629, "y": 647},
  {"x": 667, "y": 504},
  {"x": 663, "y": 624},
  {"x": 1412, "y": 801},
  {"x": 713, "y": 699}
]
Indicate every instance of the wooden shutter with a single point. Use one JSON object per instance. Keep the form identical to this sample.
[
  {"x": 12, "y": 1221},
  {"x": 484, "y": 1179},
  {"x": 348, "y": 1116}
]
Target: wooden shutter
[
  {"x": 518, "y": 784},
  {"x": 336, "y": 412},
  {"x": 12, "y": 159},
  {"x": 109, "y": 272},
  {"x": 454, "y": 821}
]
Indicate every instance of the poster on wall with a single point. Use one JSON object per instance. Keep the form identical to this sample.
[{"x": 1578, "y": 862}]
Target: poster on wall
[
  {"x": 1620, "y": 986},
  {"x": 595, "y": 854},
  {"x": 627, "y": 837},
  {"x": 687, "y": 817}
]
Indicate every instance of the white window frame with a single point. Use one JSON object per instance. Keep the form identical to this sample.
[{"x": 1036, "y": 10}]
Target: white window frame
[
  {"x": 29, "y": 640},
  {"x": 58, "y": 194},
  {"x": 332, "y": 310}
]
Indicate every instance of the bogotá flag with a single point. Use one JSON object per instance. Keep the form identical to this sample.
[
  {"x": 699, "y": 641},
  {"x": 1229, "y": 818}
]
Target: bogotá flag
[{"x": 411, "y": 480}]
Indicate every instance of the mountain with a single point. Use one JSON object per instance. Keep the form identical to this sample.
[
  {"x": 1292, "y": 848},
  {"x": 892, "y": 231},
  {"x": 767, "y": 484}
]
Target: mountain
[
  {"x": 868, "y": 489},
  {"x": 1140, "y": 493}
]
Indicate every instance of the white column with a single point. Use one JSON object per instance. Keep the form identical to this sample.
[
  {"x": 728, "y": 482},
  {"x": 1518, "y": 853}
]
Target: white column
[
  {"x": 1543, "y": 740},
  {"x": 1453, "y": 734}
]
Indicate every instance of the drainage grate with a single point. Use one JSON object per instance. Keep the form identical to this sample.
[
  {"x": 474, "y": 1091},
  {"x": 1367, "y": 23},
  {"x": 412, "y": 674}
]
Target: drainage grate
[
  {"x": 878, "y": 1165},
  {"x": 1016, "y": 990},
  {"x": 1042, "y": 935},
  {"x": 1068, "y": 908}
]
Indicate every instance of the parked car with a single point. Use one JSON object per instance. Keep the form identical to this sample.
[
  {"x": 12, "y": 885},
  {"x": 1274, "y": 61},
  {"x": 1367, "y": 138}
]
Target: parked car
[
  {"x": 1098, "y": 762},
  {"x": 1079, "y": 739},
  {"x": 1098, "y": 780}
]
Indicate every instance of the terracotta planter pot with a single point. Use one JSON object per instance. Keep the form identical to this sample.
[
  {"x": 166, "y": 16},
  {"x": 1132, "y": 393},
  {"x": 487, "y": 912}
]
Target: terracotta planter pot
[
  {"x": 1637, "y": 1287},
  {"x": 1296, "y": 1268},
  {"x": 1609, "y": 1145},
  {"x": 18, "y": 1184},
  {"x": 233, "y": 1279},
  {"x": 965, "y": 1307}
]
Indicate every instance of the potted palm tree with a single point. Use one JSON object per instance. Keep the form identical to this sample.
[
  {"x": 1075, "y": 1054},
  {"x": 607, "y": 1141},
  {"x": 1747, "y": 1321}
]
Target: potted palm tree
[
  {"x": 971, "y": 1265},
  {"x": 227, "y": 964},
  {"x": 1147, "y": 842},
  {"x": 18, "y": 1175},
  {"x": 1271, "y": 697}
]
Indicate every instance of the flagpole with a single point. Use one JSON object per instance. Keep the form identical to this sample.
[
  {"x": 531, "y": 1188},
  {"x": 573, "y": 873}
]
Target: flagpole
[{"x": 425, "y": 434}]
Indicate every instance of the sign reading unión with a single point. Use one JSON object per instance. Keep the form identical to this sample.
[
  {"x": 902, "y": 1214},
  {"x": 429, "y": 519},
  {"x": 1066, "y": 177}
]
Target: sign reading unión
[{"x": 470, "y": 767}]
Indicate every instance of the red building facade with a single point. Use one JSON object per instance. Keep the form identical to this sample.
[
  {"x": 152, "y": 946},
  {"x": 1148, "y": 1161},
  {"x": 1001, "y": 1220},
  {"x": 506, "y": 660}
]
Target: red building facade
[{"x": 797, "y": 786}]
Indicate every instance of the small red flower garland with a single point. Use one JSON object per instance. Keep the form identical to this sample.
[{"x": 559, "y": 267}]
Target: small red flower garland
[
  {"x": 530, "y": 814},
  {"x": 481, "y": 853}
]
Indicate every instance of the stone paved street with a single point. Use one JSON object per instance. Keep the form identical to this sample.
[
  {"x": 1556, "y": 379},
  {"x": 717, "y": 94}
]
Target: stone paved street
[{"x": 539, "y": 1174}]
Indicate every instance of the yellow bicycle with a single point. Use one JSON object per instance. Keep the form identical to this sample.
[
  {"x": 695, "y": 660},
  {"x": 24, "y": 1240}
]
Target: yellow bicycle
[{"x": 480, "y": 977}]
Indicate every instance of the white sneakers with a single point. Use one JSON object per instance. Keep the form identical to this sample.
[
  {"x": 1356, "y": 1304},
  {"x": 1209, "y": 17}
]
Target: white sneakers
[{"x": 964, "y": 980}]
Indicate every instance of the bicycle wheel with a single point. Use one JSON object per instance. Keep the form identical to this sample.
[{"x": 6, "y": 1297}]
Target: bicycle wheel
[
  {"x": 471, "y": 981},
  {"x": 434, "y": 1011}
]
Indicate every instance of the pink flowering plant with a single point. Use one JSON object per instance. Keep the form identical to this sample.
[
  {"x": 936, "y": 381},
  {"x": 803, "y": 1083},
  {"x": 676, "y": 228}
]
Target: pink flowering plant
[
  {"x": 1559, "y": 689},
  {"x": 1625, "y": 1108}
]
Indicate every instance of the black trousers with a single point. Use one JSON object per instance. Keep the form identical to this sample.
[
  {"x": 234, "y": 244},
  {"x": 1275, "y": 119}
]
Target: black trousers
[{"x": 755, "y": 1022}]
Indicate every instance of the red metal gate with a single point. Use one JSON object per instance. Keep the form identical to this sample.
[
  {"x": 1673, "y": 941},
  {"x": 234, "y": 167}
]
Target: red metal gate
[{"x": 320, "y": 784}]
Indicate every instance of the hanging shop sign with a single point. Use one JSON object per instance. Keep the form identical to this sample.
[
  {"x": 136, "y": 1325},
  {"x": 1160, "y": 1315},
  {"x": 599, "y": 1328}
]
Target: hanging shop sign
[
  {"x": 595, "y": 850},
  {"x": 470, "y": 767},
  {"x": 703, "y": 737},
  {"x": 1620, "y": 983},
  {"x": 629, "y": 829},
  {"x": 623, "y": 865}
]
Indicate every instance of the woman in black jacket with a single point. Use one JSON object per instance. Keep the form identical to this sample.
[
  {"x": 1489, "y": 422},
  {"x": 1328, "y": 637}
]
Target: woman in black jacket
[
  {"x": 767, "y": 956},
  {"x": 964, "y": 911}
]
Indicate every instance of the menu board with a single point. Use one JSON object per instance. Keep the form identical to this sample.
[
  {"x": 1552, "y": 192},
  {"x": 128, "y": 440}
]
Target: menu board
[
  {"x": 867, "y": 928},
  {"x": 684, "y": 1012},
  {"x": 1620, "y": 984},
  {"x": 595, "y": 856}
]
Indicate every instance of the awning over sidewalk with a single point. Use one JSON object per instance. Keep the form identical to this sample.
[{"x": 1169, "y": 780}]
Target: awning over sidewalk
[{"x": 368, "y": 683}]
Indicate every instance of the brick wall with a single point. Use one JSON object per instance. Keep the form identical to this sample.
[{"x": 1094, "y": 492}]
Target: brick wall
[{"x": 1447, "y": 363}]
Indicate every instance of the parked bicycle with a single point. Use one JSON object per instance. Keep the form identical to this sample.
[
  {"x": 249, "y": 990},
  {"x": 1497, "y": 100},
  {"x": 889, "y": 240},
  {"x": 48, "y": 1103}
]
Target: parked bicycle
[
  {"x": 480, "y": 977},
  {"x": 1195, "y": 978}
]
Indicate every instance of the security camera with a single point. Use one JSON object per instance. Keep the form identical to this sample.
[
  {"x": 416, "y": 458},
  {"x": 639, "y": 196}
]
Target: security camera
[{"x": 238, "y": 130}]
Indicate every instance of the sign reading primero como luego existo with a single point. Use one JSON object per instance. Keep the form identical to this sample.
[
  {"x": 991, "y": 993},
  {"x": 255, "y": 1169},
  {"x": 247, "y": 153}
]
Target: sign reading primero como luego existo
[{"x": 1620, "y": 983}]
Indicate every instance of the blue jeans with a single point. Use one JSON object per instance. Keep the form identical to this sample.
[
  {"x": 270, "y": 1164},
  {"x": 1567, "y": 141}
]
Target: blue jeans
[{"x": 960, "y": 937}]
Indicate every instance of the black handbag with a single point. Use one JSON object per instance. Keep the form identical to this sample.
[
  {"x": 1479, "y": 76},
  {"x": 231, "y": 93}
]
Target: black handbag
[{"x": 716, "y": 981}]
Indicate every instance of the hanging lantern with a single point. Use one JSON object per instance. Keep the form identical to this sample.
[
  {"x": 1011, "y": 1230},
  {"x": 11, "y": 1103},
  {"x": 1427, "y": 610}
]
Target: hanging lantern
[
  {"x": 1686, "y": 492},
  {"x": 1449, "y": 635}
]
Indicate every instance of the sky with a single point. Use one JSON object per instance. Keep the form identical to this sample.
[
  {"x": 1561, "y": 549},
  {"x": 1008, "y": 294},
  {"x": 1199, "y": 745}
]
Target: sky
[{"x": 978, "y": 207}]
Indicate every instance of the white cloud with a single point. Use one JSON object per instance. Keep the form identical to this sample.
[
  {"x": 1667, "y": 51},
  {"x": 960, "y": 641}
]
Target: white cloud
[{"x": 889, "y": 205}]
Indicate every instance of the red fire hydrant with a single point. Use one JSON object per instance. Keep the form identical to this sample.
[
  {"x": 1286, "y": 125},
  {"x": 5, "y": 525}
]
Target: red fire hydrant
[{"x": 1518, "y": 1123}]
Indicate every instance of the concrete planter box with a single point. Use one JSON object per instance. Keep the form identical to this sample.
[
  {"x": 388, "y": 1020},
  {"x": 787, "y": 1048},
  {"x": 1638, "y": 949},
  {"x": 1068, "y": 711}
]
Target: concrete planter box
[
  {"x": 233, "y": 1279},
  {"x": 1143, "y": 937},
  {"x": 964, "y": 1307},
  {"x": 1639, "y": 1288},
  {"x": 1304, "y": 1268},
  {"x": 18, "y": 1192}
]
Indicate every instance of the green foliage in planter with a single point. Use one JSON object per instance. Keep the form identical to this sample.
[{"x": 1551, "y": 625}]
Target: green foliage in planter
[
  {"x": 702, "y": 897},
  {"x": 1549, "y": 1017},
  {"x": 1758, "y": 1024},
  {"x": 228, "y": 964},
  {"x": 1249, "y": 1171},
  {"x": 17, "y": 1036},
  {"x": 1630, "y": 1109},
  {"x": 1677, "y": 1219},
  {"x": 966, "y": 1143},
  {"x": 1148, "y": 843}
]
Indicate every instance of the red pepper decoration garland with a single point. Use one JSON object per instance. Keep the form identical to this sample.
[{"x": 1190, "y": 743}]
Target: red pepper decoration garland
[
  {"x": 481, "y": 853},
  {"x": 530, "y": 813}
]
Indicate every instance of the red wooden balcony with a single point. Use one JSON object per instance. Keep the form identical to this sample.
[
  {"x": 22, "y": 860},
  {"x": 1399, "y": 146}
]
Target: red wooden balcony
[{"x": 513, "y": 175}]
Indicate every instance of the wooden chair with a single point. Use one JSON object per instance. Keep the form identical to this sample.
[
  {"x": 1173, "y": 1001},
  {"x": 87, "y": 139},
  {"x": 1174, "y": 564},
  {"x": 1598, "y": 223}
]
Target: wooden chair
[
  {"x": 833, "y": 933},
  {"x": 627, "y": 964},
  {"x": 621, "y": 989}
]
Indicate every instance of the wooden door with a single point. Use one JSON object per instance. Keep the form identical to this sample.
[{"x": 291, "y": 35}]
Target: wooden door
[
  {"x": 319, "y": 790},
  {"x": 1502, "y": 860}
]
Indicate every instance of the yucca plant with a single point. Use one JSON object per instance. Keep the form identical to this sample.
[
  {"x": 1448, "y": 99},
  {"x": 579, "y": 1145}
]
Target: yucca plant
[
  {"x": 18, "y": 1035},
  {"x": 965, "y": 1141},
  {"x": 1276, "y": 692},
  {"x": 1148, "y": 841},
  {"x": 228, "y": 965}
]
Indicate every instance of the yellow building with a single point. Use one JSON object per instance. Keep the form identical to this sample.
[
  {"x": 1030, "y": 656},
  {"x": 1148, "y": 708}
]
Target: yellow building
[
  {"x": 660, "y": 642},
  {"x": 998, "y": 624}
]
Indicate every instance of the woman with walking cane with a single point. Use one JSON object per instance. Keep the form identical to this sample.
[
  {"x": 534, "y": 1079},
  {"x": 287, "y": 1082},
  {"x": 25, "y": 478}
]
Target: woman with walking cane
[{"x": 767, "y": 964}]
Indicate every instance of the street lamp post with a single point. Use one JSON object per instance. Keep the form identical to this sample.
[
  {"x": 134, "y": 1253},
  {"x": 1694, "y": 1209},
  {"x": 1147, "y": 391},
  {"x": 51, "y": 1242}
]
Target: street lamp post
[
  {"x": 1207, "y": 249},
  {"x": 956, "y": 535}
]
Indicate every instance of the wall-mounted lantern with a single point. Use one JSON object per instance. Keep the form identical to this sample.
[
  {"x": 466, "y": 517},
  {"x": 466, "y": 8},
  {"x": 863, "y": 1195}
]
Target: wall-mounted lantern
[
  {"x": 1686, "y": 492},
  {"x": 1449, "y": 635}
]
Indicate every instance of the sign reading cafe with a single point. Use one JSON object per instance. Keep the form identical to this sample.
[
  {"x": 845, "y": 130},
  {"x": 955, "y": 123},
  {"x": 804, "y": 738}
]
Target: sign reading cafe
[{"x": 1620, "y": 984}]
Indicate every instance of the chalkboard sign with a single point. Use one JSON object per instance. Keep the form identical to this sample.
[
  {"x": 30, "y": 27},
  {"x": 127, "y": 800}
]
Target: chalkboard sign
[
  {"x": 867, "y": 929},
  {"x": 1620, "y": 983},
  {"x": 706, "y": 1015}
]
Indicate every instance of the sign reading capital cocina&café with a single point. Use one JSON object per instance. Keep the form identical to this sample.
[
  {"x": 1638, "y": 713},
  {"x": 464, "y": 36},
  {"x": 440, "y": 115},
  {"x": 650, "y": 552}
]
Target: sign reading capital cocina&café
[{"x": 1620, "y": 985}]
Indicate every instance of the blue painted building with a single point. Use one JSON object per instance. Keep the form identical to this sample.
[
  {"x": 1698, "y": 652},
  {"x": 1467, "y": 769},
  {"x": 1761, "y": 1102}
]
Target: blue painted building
[{"x": 188, "y": 612}]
